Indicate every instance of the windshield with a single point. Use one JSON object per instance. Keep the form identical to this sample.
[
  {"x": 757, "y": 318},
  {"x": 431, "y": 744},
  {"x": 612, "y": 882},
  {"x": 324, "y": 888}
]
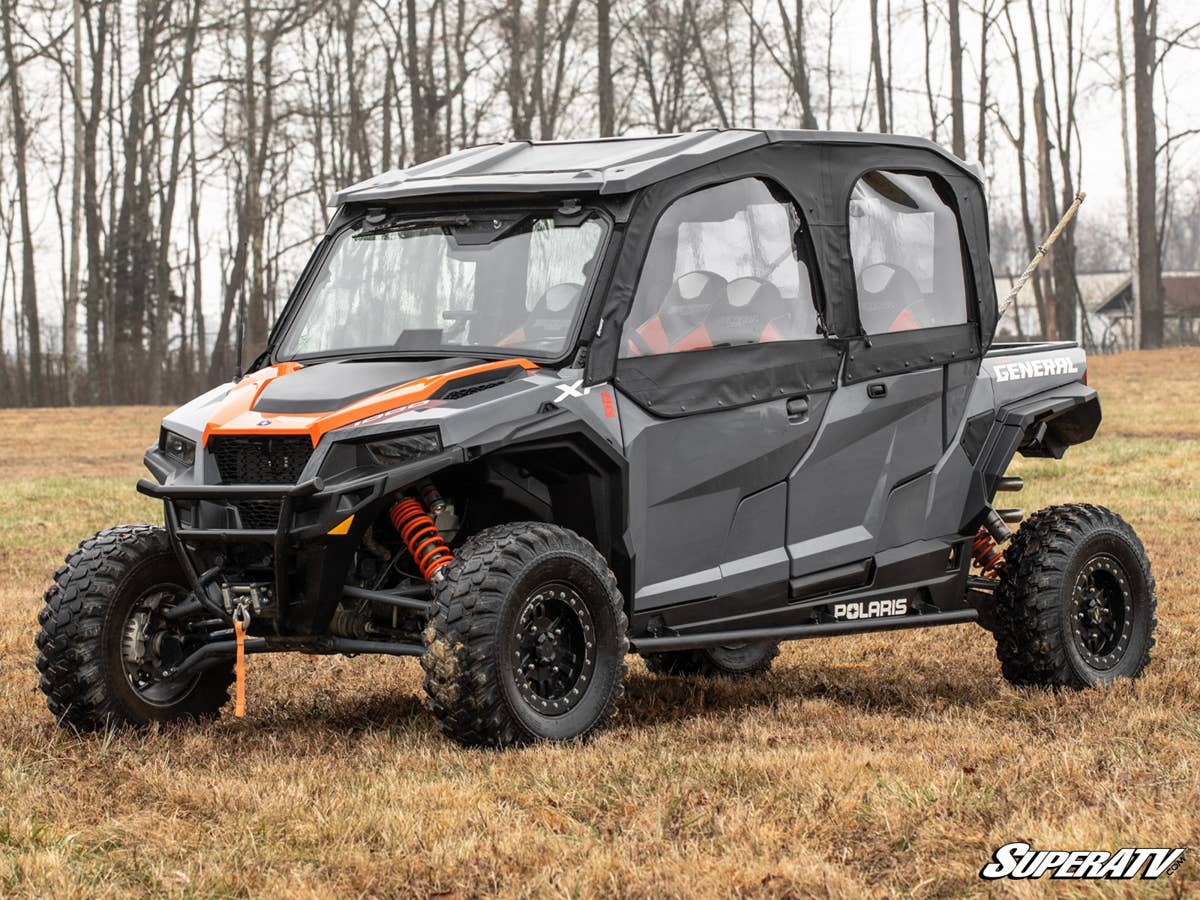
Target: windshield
[{"x": 510, "y": 283}]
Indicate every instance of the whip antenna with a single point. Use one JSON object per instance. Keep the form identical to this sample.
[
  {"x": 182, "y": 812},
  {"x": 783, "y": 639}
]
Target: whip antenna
[{"x": 1040, "y": 255}]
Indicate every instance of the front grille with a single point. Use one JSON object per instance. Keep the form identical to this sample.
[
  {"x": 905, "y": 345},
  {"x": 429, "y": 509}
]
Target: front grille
[
  {"x": 265, "y": 460},
  {"x": 260, "y": 460},
  {"x": 259, "y": 514}
]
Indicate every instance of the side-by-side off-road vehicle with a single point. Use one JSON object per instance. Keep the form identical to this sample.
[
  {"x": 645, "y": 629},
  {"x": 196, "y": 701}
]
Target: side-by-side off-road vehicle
[{"x": 533, "y": 406}]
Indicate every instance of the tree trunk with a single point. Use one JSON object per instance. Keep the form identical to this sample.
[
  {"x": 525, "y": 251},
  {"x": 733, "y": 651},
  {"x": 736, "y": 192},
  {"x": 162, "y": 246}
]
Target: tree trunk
[
  {"x": 957, "y": 124},
  {"x": 1131, "y": 230},
  {"x": 1149, "y": 271},
  {"x": 604, "y": 70},
  {"x": 71, "y": 288},
  {"x": 877, "y": 64},
  {"x": 930, "y": 97},
  {"x": 253, "y": 295},
  {"x": 97, "y": 282},
  {"x": 1019, "y": 141},
  {"x": 985, "y": 23},
  {"x": 35, "y": 395},
  {"x": 158, "y": 361},
  {"x": 1047, "y": 201}
]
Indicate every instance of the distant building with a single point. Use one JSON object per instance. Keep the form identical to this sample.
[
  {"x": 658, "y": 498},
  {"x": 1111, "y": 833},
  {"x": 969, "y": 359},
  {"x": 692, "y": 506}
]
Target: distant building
[
  {"x": 1181, "y": 312},
  {"x": 1108, "y": 298}
]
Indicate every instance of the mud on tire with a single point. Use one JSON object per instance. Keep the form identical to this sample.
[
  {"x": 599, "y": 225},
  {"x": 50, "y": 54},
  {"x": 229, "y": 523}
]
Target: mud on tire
[
  {"x": 1075, "y": 606},
  {"x": 82, "y": 621},
  {"x": 742, "y": 660},
  {"x": 528, "y": 639}
]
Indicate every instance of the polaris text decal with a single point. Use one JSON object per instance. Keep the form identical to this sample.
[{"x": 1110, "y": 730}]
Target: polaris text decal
[
  {"x": 1018, "y": 860},
  {"x": 1035, "y": 368},
  {"x": 873, "y": 610}
]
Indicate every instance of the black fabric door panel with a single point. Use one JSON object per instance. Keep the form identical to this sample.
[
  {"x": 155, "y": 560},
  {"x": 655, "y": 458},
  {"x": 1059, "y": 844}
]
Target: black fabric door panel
[{"x": 679, "y": 384}]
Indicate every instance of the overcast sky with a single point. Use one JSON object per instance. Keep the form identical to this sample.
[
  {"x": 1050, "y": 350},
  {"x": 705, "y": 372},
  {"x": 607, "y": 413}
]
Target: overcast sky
[{"x": 1099, "y": 110}]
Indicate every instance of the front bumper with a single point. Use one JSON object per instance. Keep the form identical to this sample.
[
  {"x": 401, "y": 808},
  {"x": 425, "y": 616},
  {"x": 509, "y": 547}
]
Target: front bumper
[{"x": 309, "y": 564}]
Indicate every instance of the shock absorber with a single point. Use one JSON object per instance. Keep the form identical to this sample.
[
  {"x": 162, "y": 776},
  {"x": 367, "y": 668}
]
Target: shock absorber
[
  {"x": 987, "y": 555},
  {"x": 422, "y": 538}
]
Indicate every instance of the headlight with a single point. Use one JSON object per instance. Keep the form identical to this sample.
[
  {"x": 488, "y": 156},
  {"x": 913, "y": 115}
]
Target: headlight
[
  {"x": 403, "y": 448},
  {"x": 178, "y": 447}
]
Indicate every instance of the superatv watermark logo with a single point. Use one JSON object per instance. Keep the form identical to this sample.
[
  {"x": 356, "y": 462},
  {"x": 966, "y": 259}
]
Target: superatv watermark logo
[
  {"x": 1018, "y": 860},
  {"x": 1035, "y": 368},
  {"x": 873, "y": 610}
]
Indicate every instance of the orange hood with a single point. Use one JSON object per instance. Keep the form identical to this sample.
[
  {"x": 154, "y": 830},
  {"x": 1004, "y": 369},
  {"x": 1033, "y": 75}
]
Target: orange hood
[{"x": 236, "y": 413}]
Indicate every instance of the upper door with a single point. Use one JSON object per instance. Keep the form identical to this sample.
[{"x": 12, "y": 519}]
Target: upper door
[
  {"x": 716, "y": 397},
  {"x": 865, "y": 486}
]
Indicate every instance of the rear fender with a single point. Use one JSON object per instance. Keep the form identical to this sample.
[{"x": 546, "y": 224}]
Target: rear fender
[{"x": 1043, "y": 425}]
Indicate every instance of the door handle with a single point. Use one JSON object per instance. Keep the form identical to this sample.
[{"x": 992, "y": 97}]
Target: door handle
[
  {"x": 797, "y": 408},
  {"x": 877, "y": 390}
]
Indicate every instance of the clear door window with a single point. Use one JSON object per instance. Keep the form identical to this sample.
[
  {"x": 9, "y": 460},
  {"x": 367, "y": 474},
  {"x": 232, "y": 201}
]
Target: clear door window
[
  {"x": 725, "y": 267},
  {"x": 908, "y": 262}
]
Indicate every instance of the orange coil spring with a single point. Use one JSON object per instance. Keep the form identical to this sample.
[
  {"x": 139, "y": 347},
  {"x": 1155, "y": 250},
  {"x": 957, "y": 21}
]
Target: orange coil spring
[
  {"x": 987, "y": 554},
  {"x": 421, "y": 536}
]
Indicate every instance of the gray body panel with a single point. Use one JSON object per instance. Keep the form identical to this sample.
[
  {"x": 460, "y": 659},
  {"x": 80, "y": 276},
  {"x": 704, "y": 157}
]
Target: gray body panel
[
  {"x": 840, "y": 492},
  {"x": 707, "y": 498},
  {"x": 1022, "y": 370}
]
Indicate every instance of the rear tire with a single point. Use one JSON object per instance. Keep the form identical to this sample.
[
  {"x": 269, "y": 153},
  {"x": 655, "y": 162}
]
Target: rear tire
[
  {"x": 1075, "y": 606},
  {"x": 743, "y": 660},
  {"x": 528, "y": 639},
  {"x": 93, "y": 612}
]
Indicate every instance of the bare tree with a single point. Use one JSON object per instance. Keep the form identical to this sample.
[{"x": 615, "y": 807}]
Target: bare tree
[
  {"x": 930, "y": 94},
  {"x": 604, "y": 68},
  {"x": 540, "y": 80},
  {"x": 882, "y": 82},
  {"x": 987, "y": 18},
  {"x": 793, "y": 61},
  {"x": 1147, "y": 256},
  {"x": 1131, "y": 230},
  {"x": 34, "y": 383},
  {"x": 1018, "y": 136},
  {"x": 958, "y": 132},
  {"x": 662, "y": 49}
]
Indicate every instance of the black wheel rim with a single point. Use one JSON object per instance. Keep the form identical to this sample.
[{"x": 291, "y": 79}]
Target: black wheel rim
[
  {"x": 149, "y": 644},
  {"x": 1101, "y": 612},
  {"x": 554, "y": 655}
]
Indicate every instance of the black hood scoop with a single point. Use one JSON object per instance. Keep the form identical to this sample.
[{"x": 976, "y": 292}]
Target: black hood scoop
[{"x": 326, "y": 387}]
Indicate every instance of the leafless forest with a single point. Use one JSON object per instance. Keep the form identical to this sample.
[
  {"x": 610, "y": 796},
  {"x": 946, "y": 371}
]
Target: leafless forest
[{"x": 164, "y": 166}]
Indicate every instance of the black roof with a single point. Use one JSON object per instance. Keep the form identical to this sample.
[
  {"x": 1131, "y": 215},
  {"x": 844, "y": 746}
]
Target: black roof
[{"x": 597, "y": 166}]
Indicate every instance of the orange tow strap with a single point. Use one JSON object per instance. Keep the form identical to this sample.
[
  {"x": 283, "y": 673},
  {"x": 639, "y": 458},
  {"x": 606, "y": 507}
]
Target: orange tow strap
[{"x": 239, "y": 704}]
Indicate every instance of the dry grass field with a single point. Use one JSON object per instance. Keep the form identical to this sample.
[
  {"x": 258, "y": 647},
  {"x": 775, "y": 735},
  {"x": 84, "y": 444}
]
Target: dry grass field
[{"x": 870, "y": 766}]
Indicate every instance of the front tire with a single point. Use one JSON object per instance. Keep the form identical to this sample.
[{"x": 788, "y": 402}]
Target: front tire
[
  {"x": 1075, "y": 606},
  {"x": 101, "y": 630},
  {"x": 528, "y": 639}
]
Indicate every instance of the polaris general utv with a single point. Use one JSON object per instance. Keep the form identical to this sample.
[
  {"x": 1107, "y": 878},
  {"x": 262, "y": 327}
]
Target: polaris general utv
[{"x": 534, "y": 405}]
